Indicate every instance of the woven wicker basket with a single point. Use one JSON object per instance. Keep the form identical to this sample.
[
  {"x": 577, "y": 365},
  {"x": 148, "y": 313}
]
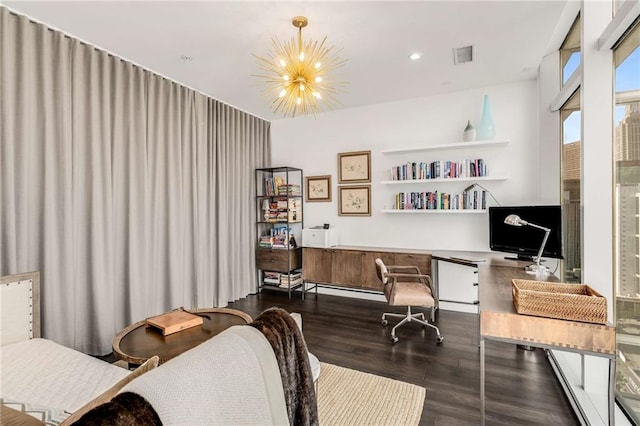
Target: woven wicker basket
[{"x": 575, "y": 302}]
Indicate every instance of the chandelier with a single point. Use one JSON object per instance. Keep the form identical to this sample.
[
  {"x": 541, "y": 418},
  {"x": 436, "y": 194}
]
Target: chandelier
[{"x": 296, "y": 74}]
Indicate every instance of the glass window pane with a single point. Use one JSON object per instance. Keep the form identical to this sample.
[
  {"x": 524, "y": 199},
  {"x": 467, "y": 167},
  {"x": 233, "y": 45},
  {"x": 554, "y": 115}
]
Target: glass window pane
[
  {"x": 570, "y": 51},
  {"x": 627, "y": 204},
  {"x": 571, "y": 155},
  {"x": 571, "y": 66}
]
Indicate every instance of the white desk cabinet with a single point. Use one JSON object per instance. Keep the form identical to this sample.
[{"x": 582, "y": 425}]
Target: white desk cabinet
[{"x": 457, "y": 286}]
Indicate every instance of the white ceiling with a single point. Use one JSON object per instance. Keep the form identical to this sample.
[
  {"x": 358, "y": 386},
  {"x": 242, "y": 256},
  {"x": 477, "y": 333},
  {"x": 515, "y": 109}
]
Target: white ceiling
[{"x": 509, "y": 38}]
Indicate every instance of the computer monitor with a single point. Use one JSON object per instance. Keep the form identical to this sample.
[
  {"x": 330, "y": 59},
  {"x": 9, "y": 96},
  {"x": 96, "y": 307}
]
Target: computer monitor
[{"x": 525, "y": 241}]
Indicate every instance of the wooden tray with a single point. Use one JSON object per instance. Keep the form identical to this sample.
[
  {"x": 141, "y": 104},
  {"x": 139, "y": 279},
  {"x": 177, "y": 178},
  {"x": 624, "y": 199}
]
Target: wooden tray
[
  {"x": 575, "y": 302},
  {"x": 174, "y": 321}
]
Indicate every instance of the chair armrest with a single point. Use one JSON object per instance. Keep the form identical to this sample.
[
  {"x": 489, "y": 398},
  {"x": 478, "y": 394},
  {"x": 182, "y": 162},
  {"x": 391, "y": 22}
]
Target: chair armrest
[
  {"x": 427, "y": 281},
  {"x": 412, "y": 268},
  {"x": 397, "y": 275}
]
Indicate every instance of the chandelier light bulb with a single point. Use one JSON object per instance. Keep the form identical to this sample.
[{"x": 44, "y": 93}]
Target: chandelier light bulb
[{"x": 303, "y": 64}]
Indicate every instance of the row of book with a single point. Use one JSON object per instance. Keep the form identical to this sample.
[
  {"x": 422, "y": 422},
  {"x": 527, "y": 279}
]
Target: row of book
[
  {"x": 283, "y": 210},
  {"x": 282, "y": 280},
  {"x": 440, "y": 170},
  {"x": 278, "y": 237},
  {"x": 468, "y": 200},
  {"x": 276, "y": 185}
]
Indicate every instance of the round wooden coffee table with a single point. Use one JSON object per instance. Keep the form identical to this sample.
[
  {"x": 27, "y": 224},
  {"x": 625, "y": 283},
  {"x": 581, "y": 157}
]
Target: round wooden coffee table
[{"x": 137, "y": 343}]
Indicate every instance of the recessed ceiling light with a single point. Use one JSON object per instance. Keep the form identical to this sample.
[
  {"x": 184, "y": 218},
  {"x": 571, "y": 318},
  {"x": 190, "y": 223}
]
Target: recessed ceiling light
[
  {"x": 186, "y": 58},
  {"x": 415, "y": 56}
]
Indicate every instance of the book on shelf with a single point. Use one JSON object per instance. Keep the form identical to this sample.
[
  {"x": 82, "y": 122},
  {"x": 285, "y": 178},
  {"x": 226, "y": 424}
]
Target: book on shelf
[
  {"x": 436, "y": 200},
  {"x": 283, "y": 210},
  {"x": 277, "y": 237},
  {"x": 286, "y": 284},
  {"x": 277, "y": 186},
  {"x": 288, "y": 189},
  {"x": 291, "y": 276},
  {"x": 440, "y": 169}
]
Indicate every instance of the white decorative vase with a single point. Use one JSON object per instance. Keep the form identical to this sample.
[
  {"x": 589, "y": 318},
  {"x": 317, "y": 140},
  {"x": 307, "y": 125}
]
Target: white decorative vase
[{"x": 469, "y": 133}]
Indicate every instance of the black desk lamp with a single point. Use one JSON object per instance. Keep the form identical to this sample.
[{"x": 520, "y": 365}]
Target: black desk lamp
[{"x": 534, "y": 268}]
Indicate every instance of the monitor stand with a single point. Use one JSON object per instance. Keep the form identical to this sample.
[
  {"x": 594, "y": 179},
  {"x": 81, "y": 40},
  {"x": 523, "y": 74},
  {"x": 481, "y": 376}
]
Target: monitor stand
[{"x": 524, "y": 257}]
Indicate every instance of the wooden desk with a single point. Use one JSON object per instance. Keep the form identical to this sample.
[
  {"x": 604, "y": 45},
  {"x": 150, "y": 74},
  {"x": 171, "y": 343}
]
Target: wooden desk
[{"x": 500, "y": 322}]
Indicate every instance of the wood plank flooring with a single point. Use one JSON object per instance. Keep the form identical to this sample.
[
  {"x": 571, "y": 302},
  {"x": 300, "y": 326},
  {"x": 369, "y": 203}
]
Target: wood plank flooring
[{"x": 521, "y": 387}]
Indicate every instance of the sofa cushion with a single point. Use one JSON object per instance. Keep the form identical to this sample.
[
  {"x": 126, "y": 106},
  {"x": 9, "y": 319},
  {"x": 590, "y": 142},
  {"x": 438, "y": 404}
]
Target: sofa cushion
[
  {"x": 107, "y": 395},
  {"x": 47, "y": 374}
]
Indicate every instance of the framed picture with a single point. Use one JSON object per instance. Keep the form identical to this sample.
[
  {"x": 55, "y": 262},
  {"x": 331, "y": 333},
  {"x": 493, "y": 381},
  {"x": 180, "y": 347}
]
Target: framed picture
[
  {"x": 318, "y": 188},
  {"x": 354, "y": 167},
  {"x": 354, "y": 200}
]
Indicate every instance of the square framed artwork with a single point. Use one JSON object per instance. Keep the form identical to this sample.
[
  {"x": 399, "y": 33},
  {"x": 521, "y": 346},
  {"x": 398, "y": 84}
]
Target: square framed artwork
[
  {"x": 354, "y": 200},
  {"x": 354, "y": 167},
  {"x": 318, "y": 188}
]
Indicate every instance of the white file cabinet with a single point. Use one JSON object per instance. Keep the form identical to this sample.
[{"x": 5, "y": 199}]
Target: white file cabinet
[{"x": 457, "y": 286}]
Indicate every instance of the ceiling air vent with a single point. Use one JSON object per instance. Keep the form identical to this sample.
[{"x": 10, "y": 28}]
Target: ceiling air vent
[{"x": 462, "y": 55}]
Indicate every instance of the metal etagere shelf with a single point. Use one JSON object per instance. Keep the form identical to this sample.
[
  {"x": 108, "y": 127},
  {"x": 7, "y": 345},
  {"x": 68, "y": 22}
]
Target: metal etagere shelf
[{"x": 279, "y": 223}]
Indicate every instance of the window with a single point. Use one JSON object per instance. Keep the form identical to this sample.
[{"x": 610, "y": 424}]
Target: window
[
  {"x": 626, "y": 157},
  {"x": 571, "y": 160},
  {"x": 570, "y": 51}
]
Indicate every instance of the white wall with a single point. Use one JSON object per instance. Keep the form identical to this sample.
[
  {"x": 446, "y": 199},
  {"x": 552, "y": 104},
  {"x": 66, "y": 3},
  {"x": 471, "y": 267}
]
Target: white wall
[{"x": 313, "y": 144}]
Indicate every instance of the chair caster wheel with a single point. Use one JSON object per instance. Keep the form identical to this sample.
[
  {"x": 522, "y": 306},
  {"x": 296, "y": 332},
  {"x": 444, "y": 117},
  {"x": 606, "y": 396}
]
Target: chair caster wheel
[
  {"x": 384, "y": 322},
  {"x": 440, "y": 340},
  {"x": 394, "y": 340}
]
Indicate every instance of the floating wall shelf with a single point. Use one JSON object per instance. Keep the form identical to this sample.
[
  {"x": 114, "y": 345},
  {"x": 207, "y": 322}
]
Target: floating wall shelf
[
  {"x": 443, "y": 180},
  {"x": 456, "y": 145},
  {"x": 432, "y": 211}
]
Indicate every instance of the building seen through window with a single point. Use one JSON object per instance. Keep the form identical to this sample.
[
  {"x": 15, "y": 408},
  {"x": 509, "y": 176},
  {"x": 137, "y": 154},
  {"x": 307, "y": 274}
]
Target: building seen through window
[{"x": 626, "y": 156}]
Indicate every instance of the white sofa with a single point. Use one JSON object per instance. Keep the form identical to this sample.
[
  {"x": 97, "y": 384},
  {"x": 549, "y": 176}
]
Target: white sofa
[{"x": 232, "y": 378}]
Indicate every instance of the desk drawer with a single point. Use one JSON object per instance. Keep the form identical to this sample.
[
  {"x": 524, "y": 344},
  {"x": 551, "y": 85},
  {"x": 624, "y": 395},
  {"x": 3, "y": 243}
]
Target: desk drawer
[{"x": 278, "y": 260}]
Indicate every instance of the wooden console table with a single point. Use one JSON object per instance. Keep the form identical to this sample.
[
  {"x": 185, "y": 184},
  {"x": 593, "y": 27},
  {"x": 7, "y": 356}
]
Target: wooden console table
[
  {"x": 500, "y": 322},
  {"x": 353, "y": 267}
]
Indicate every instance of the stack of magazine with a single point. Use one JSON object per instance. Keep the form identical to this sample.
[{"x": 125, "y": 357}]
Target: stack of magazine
[{"x": 292, "y": 279}]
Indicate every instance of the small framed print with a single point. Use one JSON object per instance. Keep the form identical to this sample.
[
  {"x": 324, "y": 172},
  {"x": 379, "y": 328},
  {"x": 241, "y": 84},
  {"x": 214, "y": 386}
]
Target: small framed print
[
  {"x": 354, "y": 200},
  {"x": 318, "y": 188},
  {"x": 354, "y": 167}
]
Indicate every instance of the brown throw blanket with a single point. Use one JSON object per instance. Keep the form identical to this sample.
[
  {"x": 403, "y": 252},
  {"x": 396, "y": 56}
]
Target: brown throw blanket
[{"x": 290, "y": 349}]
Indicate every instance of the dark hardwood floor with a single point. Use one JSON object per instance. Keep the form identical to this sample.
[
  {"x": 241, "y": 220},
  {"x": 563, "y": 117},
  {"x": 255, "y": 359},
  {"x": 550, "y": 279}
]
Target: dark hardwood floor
[{"x": 521, "y": 387}]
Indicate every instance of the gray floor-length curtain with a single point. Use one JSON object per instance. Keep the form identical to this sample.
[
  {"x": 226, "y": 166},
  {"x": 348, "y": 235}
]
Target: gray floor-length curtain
[{"x": 130, "y": 193}]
